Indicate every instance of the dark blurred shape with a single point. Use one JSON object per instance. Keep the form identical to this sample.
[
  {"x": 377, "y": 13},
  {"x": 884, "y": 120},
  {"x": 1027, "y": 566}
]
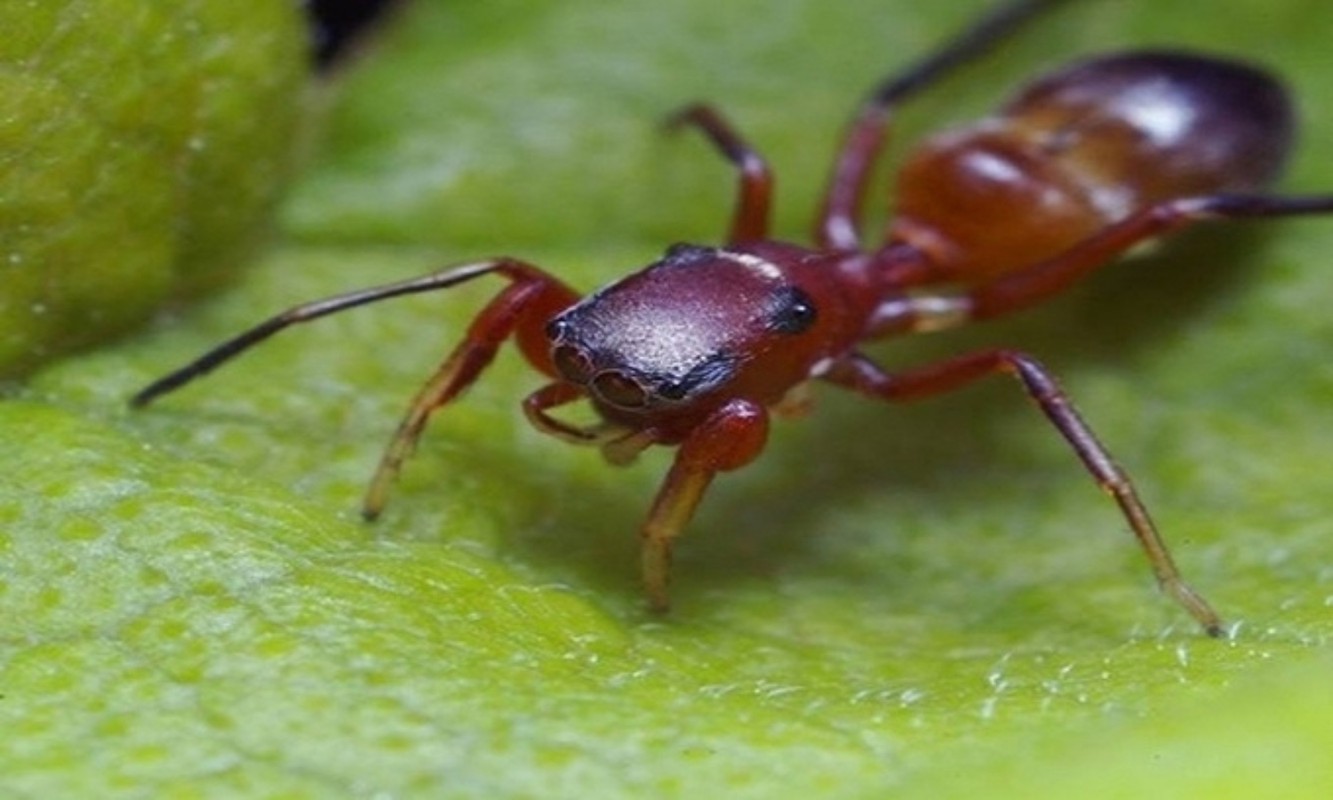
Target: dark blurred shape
[{"x": 337, "y": 23}]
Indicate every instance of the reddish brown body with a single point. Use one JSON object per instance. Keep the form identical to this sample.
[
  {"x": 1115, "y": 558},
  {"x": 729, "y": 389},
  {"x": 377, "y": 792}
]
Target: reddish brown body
[
  {"x": 1084, "y": 148},
  {"x": 698, "y": 349}
]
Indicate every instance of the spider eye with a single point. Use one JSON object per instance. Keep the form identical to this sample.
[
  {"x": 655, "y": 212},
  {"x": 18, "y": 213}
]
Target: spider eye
[
  {"x": 794, "y": 313},
  {"x": 571, "y": 364},
  {"x": 619, "y": 390}
]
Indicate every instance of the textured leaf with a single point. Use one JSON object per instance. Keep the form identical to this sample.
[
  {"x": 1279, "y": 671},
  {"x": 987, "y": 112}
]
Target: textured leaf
[{"x": 930, "y": 601}]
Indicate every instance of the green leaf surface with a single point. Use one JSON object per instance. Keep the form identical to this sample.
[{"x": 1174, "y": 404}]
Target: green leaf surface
[
  {"x": 926, "y": 601},
  {"x": 142, "y": 146}
]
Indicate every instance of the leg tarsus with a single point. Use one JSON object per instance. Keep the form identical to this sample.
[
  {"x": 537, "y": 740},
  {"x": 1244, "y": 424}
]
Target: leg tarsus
[
  {"x": 434, "y": 393},
  {"x": 675, "y": 504}
]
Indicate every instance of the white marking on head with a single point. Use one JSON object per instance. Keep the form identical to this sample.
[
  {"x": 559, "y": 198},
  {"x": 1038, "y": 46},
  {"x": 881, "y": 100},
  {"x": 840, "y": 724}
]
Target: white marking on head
[{"x": 766, "y": 269}]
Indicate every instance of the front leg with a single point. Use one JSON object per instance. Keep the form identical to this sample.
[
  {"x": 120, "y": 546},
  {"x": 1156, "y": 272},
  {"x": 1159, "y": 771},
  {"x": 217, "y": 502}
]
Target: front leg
[
  {"x": 728, "y": 439},
  {"x": 521, "y": 310}
]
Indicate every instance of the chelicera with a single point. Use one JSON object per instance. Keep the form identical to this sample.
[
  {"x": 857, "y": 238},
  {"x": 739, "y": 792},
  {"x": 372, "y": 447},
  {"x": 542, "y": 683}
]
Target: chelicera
[{"x": 697, "y": 350}]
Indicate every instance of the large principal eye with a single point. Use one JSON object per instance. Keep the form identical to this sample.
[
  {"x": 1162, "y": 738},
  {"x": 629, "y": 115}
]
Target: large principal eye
[
  {"x": 571, "y": 364},
  {"x": 794, "y": 311},
  {"x": 619, "y": 390}
]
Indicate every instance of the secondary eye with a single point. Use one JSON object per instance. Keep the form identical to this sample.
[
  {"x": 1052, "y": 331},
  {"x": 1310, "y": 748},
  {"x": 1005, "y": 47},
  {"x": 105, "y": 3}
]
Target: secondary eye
[
  {"x": 795, "y": 311},
  {"x": 555, "y": 329}
]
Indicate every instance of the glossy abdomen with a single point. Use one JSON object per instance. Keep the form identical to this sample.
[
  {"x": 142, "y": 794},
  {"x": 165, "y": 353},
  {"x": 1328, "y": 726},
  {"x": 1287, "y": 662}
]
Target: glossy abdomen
[{"x": 1085, "y": 147}]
